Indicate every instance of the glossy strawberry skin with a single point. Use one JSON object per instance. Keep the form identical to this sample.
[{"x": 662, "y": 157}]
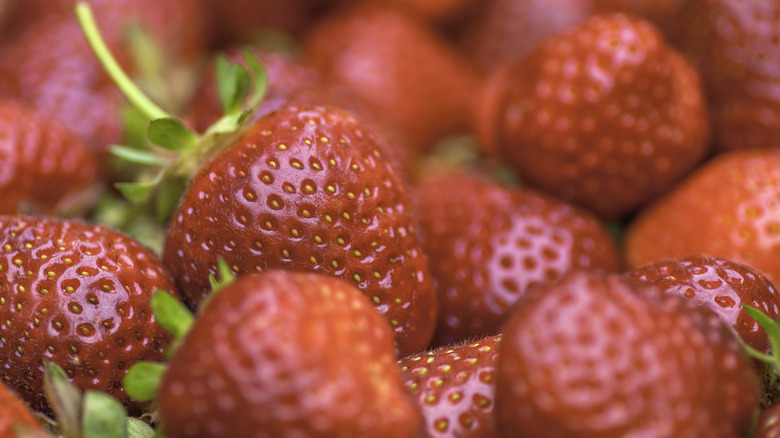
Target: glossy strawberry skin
[
  {"x": 14, "y": 414},
  {"x": 768, "y": 423},
  {"x": 722, "y": 286},
  {"x": 605, "y": 115},
  {"x": 725, "y": 209},
  {"x": 487, "y": 244},
  {"x": 393, "y": 61},
  {"x": 307, "y": 189},
  {"x": 734, "y": 45},
  {"x": 42, "y": 163},
  {"x": 280, "y": 353},
  {"x": 593, "y": 356},
  {"x": 78, "y": 296},
  {"x": 454, "y": 387}
]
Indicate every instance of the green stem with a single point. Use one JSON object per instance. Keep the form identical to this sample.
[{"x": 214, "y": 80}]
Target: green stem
[{"x": 139, "y": 100}]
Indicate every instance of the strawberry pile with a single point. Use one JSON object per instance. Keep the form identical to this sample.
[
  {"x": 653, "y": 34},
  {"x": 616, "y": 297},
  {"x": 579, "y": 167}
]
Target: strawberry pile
[{"x": 389, "y": 218}]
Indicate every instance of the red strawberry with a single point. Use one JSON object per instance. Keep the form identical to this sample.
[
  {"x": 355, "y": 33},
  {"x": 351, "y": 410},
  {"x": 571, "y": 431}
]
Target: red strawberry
[
  {"x": 768, "y": 423},
  {"x": 41, "y": 161},
  {"x": 487, "y": 244},
  {"x": 726, "y": 209},
  {"x": 454, "y": 388},
  {"x": 390, "y": 59},
  {"x": 307, "y": 189},
  {"x": 592, "y": 356},
  {"x": 735, "y": 45},
  {"x": 441, "y": 11},
  {"x": 285, "y": 354},
  {"x": 606, "y": 115},
  {"x": 78, "y": 296},
  {"x": 722, "y": 286},
  {"x": 14, "y": 414}
]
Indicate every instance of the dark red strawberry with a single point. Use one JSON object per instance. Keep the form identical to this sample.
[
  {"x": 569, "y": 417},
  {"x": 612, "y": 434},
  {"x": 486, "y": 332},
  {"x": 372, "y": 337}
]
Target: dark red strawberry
[
  {"x": 726, "y": 209},
  {"x": 593, "y": 356},
  {"x": 286, "y": 354},
  {"x": 605, "y": 115},
  {"x": 454, "y": 388},
  {"x": 307, "y": 189},
  {"x": 735, "y": 46},
  {"x": 15, "y": 414},
  {"x": 768, "y": 423},
  {"x": 720, "y": 285},
  {"x": 487, "y": 244},
  {"x": 41, "y": 161},
  {"x": 78, "y": 296},
  {"x": 393, "y": 61}
]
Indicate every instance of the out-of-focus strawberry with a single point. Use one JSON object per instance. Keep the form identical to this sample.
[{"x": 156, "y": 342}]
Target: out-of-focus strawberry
[
  {"x": 454, "y": 388},
  {"x": 41, "y": 161},
  {"x": 285, "y": 354},
  {"x": 14, "y": 413},
  {"x": 605, "y": 115},
  {"x": 720, "y": 285},
  {"x": 593, "y": 356},
  {"x": 487, "y": 244},
  {"x": 728, "y": 208},
  {"x": 768, "y": 423},
  {"x": 735, "y": 46},
  {"x": 394, "y": 62}
]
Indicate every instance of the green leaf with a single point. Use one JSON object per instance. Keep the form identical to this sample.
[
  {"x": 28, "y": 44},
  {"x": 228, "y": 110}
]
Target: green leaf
[
  {"x": 226, "y": 81},
  {"x": 171, "y": 134},
  {"x": 138, "y": 156},
  {"x": 64, "y": 399},
  {"x": 138, "y": 429},
  {"x": 143, "y": 379},
  {"x": 260, "y": 79},
  {"x": 138, "y": 191},
  {"x": 171, "y": 314},
  {"x": 226, "y": 276},
  {"x": 104, "y": 416}
]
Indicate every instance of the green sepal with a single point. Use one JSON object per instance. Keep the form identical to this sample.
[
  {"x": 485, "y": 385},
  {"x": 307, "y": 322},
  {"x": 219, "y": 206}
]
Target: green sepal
[
  {"x": 171, "y": 314},
  {"x": 138, "y": 156},
  {"x": 138, "y": 191},
  {"x": 103, "y": 416},
  {"x": 226, "y": 276},
  {"x": 168, "y": 198},
  {"x": 171, "y": 134},
  {"x": 259, "y": 79},
  {"x": 143, "y": 379},
  {"x": 64, "y": 398},
  {"x": 138, "y": 429},
  {"x": 772, "y": 330},
  {"x": 233, "y": 84}
]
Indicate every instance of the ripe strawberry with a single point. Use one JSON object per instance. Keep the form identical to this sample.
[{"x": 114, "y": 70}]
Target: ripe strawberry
[
  {"x": 78, "y": 296},
  {"x": 487, "y": 244},
  {"x": 768, "y": 423},
  {"x": 390, "y": 59},
  {"x": 454, "y": 387},
  {"x": 722, "y": 286},
  {"x": 726, "y": 209},
  {"x": 441, "y": 11},
  {"x": 591, "y": 355},
  {"x": 735, "y": 47},
  {"x": 14, "y": 414},
  {"x": 307, "y": 189},
  {"x": 605, "y": 115},
  {"x": 286, "y": 354},
  {"x": 43, "y": 162}
]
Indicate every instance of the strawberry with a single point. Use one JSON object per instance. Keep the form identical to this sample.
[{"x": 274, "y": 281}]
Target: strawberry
[
  {"x": 14, "y": 414},
  {"x": 43, "y": 162},
  {"x": 735, "y": 47},
  {"x": 722, "y": 286},
  {"x": 306, "y": 189},
  {"x": 605, "y": 115},
  {"x": 768, "y": 423},
  {"x": 78, "y": 296},
  {"x": 725, "y": 209},
  {"x": 393, "y": 61},
  {"x": 454, "y": 387},
  {"x": 488, "y": 244},
  {"x": 593, "y": 356},
  {"x": 286, "y": 354}
]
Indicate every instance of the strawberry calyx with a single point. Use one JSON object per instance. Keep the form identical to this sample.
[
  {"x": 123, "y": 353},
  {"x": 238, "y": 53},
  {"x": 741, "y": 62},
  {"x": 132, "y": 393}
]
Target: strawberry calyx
[
  {"x": 770, "y": 359},
  {"x": 179, "y": 151}
]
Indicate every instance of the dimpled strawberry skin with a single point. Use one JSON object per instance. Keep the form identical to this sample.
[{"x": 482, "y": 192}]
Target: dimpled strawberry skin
[
  {"x": 454, "y": 387},
  {"x": 605, "y": 115},
  {"x": 78, "y": 296},
  {"x": 287, "y": 354},
  {"x": 306, "y": 189},
  {"x": 722, "y": 286},
  {"x": 727, "y": 208},
  {"x": 488, "y": 243},
  {"x": 592, "y": 356}
]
